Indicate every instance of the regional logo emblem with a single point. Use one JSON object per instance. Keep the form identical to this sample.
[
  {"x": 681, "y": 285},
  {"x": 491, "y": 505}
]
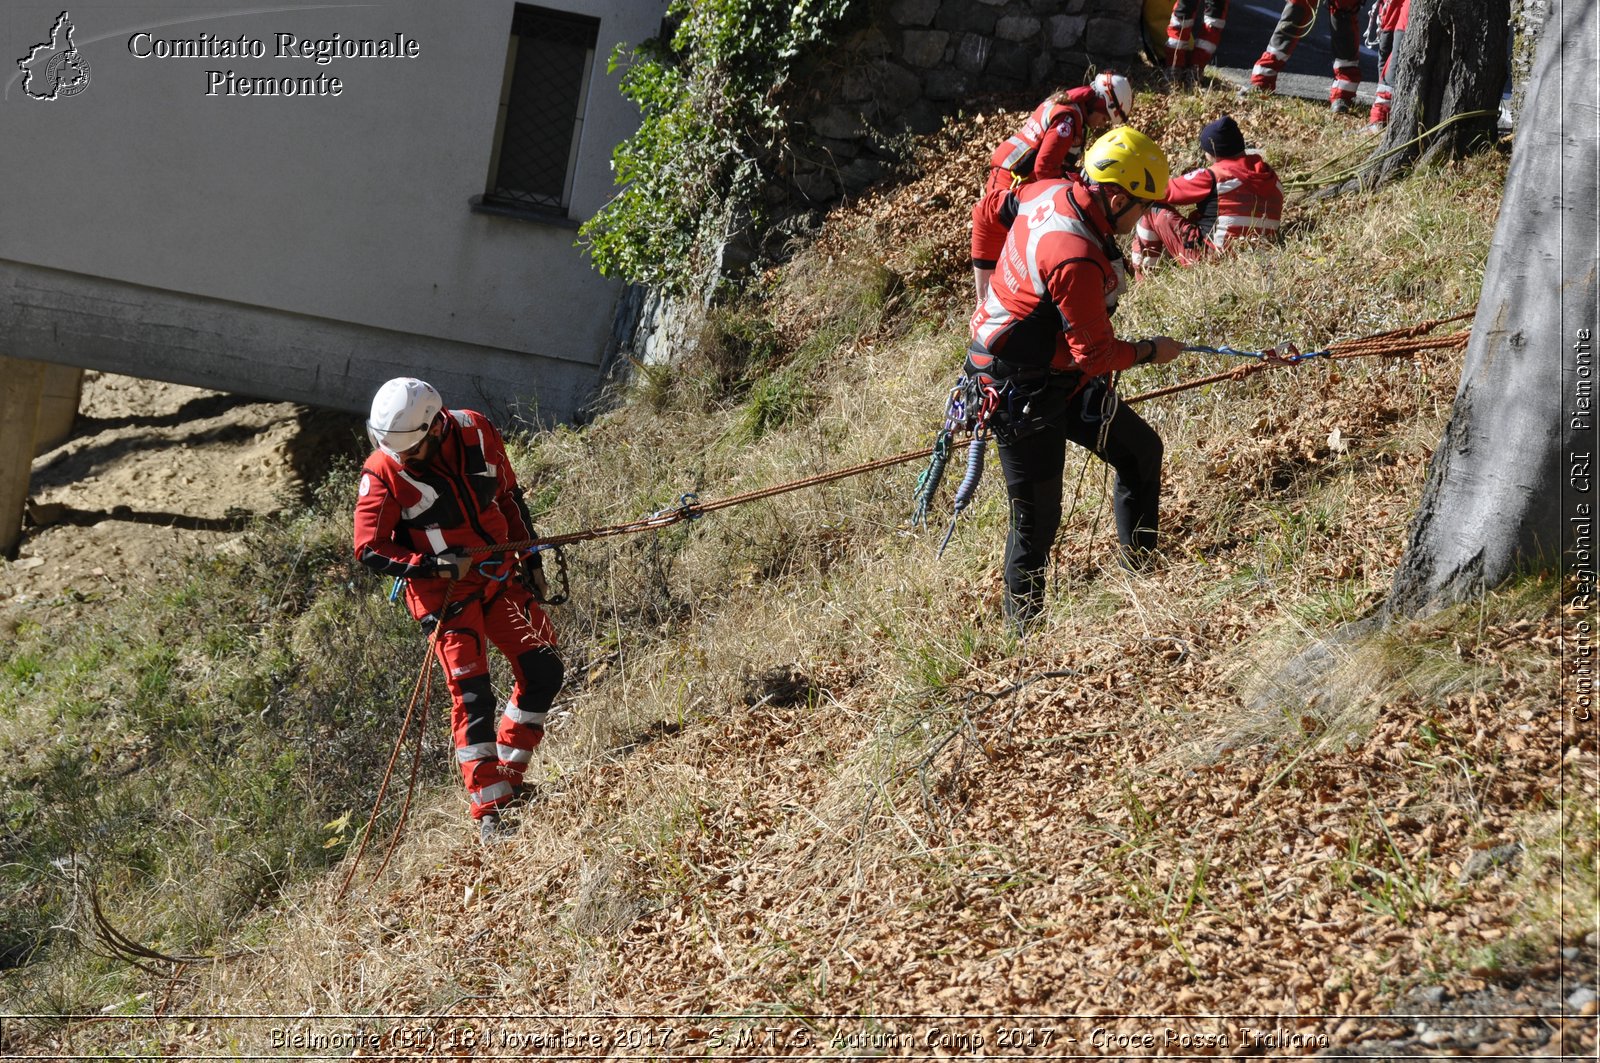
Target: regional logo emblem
[{"x": 55, "y": 69}]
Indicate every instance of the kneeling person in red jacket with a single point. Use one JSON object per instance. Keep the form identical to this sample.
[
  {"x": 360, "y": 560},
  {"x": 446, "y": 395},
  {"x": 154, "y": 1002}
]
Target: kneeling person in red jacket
[
  {"x": 438, "y": 483},
  {"x": 1240, "y": 200}
]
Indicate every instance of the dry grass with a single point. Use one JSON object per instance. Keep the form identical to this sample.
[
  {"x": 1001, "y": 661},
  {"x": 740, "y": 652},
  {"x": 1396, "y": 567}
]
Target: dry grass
[{"x": 806, "y": 768}]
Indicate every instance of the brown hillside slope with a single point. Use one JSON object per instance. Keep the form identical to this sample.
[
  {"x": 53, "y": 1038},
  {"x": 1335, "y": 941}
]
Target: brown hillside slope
[{"x": 819, "y": 802}]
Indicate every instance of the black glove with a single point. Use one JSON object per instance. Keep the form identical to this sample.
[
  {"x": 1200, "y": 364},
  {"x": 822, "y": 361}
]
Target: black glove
[{"x": 530, "y": 571}]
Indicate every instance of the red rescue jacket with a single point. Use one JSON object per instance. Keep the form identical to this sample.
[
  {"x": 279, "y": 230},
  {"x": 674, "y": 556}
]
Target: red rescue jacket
[
  {"x": 1393, "y": 14},
  {"x": 1053, "y": 134},
  {"x": 1058, "y": 274},
  {"x": 465, "y": 495},
  {"x": 1240, "y": 198}
]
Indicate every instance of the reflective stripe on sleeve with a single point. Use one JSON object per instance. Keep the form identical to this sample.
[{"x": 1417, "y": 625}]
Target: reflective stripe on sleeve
[{"x": 513, "y": 755}]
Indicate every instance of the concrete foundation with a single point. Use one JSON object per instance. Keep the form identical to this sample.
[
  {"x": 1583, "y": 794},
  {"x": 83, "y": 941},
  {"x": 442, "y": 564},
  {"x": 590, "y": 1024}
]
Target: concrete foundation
[
  {"x": 61, "y": 390},
  {"x": 23, "y": 382}
]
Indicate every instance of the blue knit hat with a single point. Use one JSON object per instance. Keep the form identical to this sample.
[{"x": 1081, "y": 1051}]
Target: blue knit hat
[{"x": 1222, "y": 138}]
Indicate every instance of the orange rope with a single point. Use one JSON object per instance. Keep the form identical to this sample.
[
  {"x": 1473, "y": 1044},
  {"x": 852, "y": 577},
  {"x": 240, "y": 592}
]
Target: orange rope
[{"x": 423, "y": 686}]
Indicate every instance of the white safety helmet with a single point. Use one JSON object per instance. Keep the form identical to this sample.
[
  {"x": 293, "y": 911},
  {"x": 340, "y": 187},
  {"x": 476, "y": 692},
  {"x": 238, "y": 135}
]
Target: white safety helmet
[
  {"x": 402, "y": 412},
  {"x": 1115, "y": 92}
]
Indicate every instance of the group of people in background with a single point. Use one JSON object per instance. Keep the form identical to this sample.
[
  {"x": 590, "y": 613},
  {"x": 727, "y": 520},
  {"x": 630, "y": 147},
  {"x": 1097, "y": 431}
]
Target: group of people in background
[{"x": 1196, "y": 26}]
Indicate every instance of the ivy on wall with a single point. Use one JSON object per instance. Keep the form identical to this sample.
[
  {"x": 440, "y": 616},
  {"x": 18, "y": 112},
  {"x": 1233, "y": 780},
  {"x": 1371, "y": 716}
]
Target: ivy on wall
[{"x": 710, "y": 94}]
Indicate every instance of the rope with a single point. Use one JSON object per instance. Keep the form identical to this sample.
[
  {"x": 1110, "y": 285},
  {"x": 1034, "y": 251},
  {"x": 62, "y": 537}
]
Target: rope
[
  {"x": 423, "y": 687},
  {"x": 1399, "y": 342},
  {"x": 1410, "y": 340},
  {"x": 692, "y": 510},
  {"x": 1307, "y": 182}
]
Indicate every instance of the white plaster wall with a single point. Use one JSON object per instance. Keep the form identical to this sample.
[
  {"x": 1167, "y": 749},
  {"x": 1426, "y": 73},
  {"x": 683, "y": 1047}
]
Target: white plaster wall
[{"x": 352, "y": 208}]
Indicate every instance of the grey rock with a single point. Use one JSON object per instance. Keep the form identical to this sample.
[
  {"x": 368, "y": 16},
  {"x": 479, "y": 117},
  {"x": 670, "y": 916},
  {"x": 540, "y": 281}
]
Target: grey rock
[
  {"x": 995, "y": 3},
  {"x": 1484, "y": 861},
  {"x": 1011, "y": 61},
  {"x": 963, "y": 16},
  {"x": 840, "y": 150},
  {"x": 891, "y": 88},
  {"x": 1039, "y": 73},
  {"x": 924, "y": 48},
  {"x": 1017, "y": 28},
  {"x": 947, "y": 85},
  {"x": 1131, "y": 11},
  {"x": 1432, "y": 995},
  {"x": 1581, "y": 998},
  {"x": 870, "y": 43},
  {"x": 815, "y": 183},
  {"x": 1066, "y": 30},
  {"x": 861, "y": 174},
  {"x": 838, "y": 124},
  {"x": 972, "y": 52},
  {"x": 1112, "y": 38},
  {"x": 914, "y": 12},
  {"x": 923, "y": 116},
  {"x": 1074, "y": 7}
]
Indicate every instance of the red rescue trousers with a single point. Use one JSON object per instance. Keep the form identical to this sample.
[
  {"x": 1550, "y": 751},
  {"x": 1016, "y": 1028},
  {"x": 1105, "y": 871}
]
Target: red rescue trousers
[{"x": 493, "y": 755}]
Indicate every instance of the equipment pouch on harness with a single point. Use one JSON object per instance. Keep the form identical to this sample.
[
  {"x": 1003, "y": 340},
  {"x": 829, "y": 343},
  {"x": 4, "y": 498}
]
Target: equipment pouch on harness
[{"x": 1030, "y": 399}]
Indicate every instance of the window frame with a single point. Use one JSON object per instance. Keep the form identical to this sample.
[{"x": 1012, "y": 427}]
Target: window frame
[{"x": 496, "y": 198}]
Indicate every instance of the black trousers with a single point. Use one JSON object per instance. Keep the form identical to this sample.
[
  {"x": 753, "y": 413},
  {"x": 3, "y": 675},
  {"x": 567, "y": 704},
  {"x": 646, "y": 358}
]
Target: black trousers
[{"x": 1034, "y": 463}]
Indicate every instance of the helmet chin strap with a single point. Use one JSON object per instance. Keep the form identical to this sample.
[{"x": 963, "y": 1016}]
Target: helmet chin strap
[{"x": 1105, "y": 204}]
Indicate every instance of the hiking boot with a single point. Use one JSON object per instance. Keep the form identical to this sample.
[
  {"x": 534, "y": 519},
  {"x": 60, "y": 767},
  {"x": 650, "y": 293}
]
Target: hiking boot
[
  {"x": 522, "y": 795},
  {"x": 1340, "y": 105},
  {"x": 1250, "y": 88},
  {"x": 492, "y": 830},
  {"x": 1374, "y": 129}
]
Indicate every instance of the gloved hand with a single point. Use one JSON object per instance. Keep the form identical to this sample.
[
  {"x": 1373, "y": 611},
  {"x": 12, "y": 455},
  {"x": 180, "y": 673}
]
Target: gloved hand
[
  {"x": 531, "y": 573},
  {"x": 452, "y": 565}
]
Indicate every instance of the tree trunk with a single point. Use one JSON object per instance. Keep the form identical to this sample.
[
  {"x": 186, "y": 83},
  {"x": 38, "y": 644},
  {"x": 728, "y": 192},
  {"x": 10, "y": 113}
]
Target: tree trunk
[
  {"x": 1510, "y": 486},
  {"x": 1451, "y": 59}
]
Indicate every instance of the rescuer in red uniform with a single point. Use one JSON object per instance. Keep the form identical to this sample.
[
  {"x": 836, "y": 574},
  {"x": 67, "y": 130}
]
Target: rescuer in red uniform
[
  {"x": 1043, "y": 334},
  {"x": 1193, "y": 33},
  {"x": 1051, "y": 140},
  {"x": 438, "y": 483},
  {"x": 1293, "y": 24},
  {"x": 1239, "y": 200}
]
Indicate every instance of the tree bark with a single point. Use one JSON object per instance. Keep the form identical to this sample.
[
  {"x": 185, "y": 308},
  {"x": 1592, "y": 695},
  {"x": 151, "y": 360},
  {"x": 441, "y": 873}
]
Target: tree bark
[
  {"x": 1451, "y": 59},
  {"x": 1511, "y": 478}
]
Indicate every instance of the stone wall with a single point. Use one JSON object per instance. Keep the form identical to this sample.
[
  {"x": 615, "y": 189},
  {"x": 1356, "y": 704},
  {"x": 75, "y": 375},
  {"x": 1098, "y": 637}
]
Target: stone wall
[
  {"x": 908, "y": 65},
  {"x": 920, "y": 60}
]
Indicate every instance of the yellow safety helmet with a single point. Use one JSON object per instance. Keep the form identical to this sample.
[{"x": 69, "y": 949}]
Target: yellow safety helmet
[{"x": 1130, "y": 160}]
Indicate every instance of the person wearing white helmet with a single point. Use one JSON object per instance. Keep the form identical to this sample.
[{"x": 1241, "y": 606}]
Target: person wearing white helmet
[
  {"x": 437, "y": 484},
  {"x": 1050, "y": 142}
]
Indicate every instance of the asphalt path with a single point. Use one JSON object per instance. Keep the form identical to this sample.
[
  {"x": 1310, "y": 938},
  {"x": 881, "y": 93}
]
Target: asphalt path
[{"x": 1310, "y": 68}]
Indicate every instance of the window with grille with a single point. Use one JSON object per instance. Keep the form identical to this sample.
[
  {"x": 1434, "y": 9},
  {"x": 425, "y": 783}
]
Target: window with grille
[{"x": 541, "y": 110}]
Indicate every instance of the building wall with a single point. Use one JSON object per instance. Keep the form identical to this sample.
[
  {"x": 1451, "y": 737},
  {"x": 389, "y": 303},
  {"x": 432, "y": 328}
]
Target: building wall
[{"x": 330, "y": 227}]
